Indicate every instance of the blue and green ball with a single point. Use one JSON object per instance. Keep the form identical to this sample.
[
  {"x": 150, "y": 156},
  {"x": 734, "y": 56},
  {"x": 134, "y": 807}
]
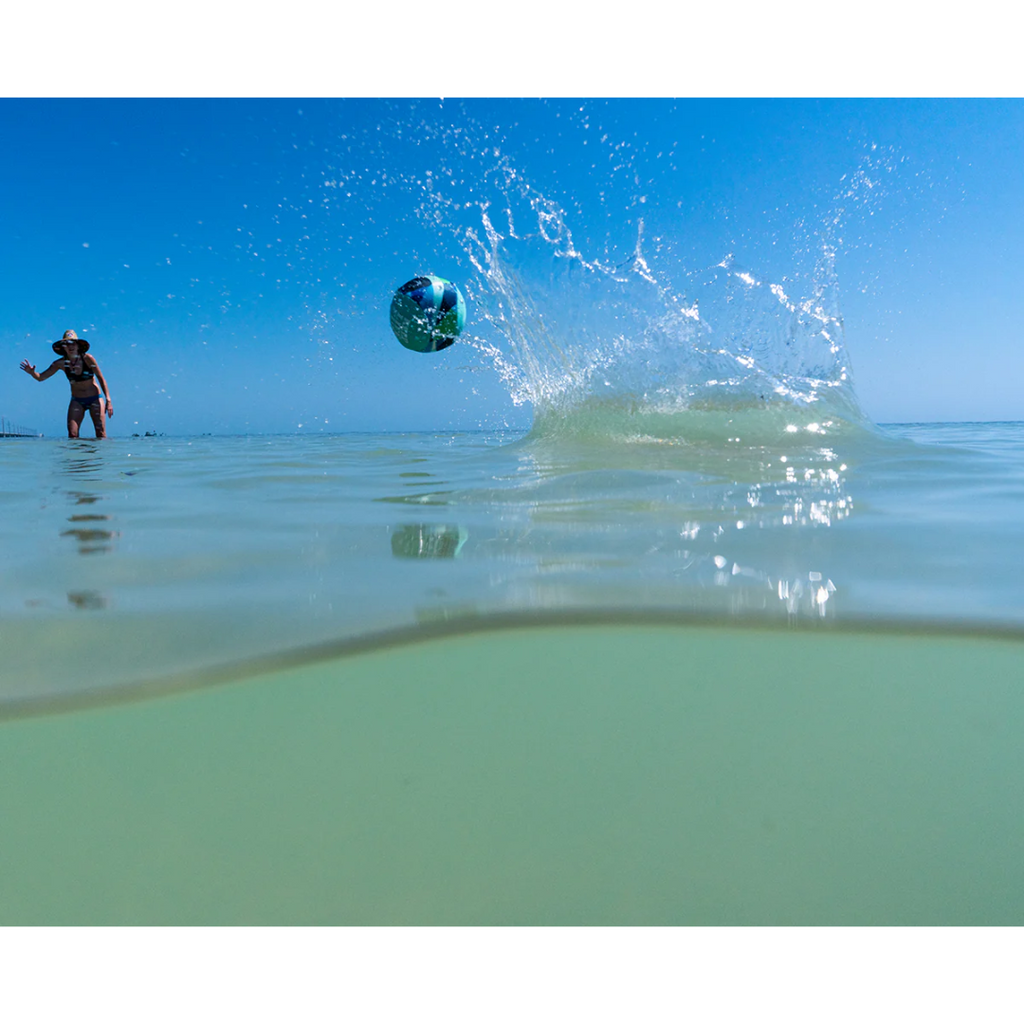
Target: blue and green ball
[{"x": 427, "y": 313}]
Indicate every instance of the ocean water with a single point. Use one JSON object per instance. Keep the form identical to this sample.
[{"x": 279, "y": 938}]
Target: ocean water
[
  {"x": 515, "y": 679},
  {"x": 704, "y": 645},
  {"x": 146, "y": 558}
]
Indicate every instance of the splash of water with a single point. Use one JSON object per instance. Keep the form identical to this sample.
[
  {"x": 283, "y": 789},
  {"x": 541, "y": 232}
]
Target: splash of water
[{"x": 640, "y": 348}]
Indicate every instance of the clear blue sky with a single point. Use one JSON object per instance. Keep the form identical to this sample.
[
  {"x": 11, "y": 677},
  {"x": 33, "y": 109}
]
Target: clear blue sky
[{"x": 232, "y": 261}]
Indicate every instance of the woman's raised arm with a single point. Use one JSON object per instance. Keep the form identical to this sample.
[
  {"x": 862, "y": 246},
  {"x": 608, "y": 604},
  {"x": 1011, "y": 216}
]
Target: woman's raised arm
[{"x": 48, "y": 372}]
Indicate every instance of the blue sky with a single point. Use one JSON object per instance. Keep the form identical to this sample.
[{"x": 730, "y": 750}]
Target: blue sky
[{"x": 232, "y": 260}]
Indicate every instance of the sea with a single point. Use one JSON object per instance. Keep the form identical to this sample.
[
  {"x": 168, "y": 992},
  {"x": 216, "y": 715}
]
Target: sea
[
  {"x": 488, "y": 679},
  {"x": 701, "y": 646}
]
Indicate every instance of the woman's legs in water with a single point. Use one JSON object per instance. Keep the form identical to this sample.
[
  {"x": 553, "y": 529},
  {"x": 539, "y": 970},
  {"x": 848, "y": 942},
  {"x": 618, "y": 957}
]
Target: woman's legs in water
[
  {"x": 76, "y": 413},
  {"x": 98, "y": 412}
]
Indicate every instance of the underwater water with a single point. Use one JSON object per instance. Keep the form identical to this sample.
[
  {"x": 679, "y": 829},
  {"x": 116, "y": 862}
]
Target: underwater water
[{"x": 703, "y": 645}]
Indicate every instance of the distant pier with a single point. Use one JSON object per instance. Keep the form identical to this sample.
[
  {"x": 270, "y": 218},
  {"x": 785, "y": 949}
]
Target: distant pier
[{"x": 9, "y": 429}]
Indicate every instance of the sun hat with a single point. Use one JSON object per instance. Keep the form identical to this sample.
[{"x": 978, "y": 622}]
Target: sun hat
[{"x": 58, "y": 346}]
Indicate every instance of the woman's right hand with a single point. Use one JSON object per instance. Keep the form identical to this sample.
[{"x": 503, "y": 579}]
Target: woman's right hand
[{"x": 28, "y": 367}]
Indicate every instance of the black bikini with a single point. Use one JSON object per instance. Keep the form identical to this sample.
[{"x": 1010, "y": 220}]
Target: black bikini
[{"x": 86, "y": 373}]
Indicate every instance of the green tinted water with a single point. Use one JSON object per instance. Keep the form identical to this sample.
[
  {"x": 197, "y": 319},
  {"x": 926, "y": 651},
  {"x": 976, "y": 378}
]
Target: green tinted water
[
  {"x": 580, "y": 775},
  {"x": 752, "y": 682}
]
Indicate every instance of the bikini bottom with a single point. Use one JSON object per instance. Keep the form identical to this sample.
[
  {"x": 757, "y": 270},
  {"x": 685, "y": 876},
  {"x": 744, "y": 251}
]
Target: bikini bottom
[{"x": 85, "y": 400}]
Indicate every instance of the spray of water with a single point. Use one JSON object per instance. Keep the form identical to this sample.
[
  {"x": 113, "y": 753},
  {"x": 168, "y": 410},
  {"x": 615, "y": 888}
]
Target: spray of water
[
  {"x": 641, "y": 347},
  {"x": 612, "y": 336}
]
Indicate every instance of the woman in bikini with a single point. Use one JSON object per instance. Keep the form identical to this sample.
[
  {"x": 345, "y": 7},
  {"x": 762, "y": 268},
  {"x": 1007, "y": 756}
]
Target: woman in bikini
[{"x": 82, "y": 371}]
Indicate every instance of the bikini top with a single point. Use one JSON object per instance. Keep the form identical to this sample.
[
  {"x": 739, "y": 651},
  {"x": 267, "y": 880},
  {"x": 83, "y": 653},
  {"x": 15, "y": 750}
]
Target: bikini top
[{"x": 86, "y": 373}]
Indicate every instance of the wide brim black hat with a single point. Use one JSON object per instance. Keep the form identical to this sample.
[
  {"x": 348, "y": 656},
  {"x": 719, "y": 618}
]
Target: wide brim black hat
[{"x": 58, "y": 346}]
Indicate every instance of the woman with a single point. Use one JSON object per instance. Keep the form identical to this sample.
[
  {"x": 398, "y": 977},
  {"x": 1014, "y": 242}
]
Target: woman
[{"x": 82, "y": 371}]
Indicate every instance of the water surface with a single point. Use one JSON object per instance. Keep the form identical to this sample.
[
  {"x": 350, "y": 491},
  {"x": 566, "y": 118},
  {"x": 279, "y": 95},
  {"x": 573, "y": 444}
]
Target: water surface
[{"x": 144, "y": 557}]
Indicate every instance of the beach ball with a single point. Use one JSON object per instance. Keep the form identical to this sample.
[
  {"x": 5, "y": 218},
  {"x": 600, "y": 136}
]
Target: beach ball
[{"x": 427, "y": 313}]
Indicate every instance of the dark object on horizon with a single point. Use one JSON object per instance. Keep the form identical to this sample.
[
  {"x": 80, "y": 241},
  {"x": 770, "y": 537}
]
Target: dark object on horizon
[{"x": 9, "y": 429}]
